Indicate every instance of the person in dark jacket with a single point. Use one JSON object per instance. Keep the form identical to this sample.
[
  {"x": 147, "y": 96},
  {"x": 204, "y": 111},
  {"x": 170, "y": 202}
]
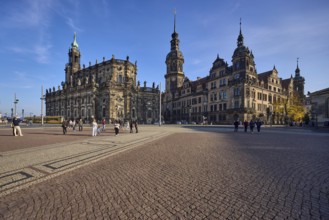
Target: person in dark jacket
[
  {"x": 64, "y": 126},
  {"x": 131, "y": 126},
  {"x": 136, "y": 126},
  {"x": 251, "y": 125},
  {"x": 236, "y": 126},
  {"x": 258, "y": 124},
  {"x": 17, "y": 128},
  {"x": 245, "y": 124}
]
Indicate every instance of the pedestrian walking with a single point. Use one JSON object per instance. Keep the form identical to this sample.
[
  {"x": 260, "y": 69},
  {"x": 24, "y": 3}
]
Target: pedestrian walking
[
  {"x": 236, "y": 126},
  {"x": 70, "y": 124},
  {"x": 131, "y": 126},
  {"x": 17, "y": 128},
  {"x": 80, "y": 124},
  {"x": 258, "y": 124},
  {"x": 64, "y": 126},
  {"x": 94, "y": 128},
  {"x": 245, "y": 124},
  {"x": 103, "y": 124},
  {"x": 136, "y": 126},
  {"x": 15, "y": 133},
  {"x": 74, "y": 124},
  {"x": 251, "y": 125},
  {"x": 116, "y": 128},
  {"x": 99, "y": 130}
]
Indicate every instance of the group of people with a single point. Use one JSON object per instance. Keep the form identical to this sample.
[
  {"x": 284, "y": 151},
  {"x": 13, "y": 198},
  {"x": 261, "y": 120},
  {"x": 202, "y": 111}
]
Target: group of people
[
  {"x": 72, "y": 124},
  {"x": 98, "y": 128},
  {"x": 247, "y": 124}
]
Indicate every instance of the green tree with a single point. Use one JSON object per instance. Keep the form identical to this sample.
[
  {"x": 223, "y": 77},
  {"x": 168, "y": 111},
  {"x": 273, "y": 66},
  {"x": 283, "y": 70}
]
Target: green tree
[{"x": 296, "y": 109}]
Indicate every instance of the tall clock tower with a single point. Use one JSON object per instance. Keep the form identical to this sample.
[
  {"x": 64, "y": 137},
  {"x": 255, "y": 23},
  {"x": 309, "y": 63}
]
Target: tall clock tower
[{"x": 174, "y": 62}]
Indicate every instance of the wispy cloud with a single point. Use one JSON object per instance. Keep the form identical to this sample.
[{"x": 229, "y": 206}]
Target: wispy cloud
[
  {"x": 72, "y": 25},
  {"x": 288, "y": 35},
  {"x": 34, "y": 16},
  {"x": 40, "y": 52},
  {"x": 29, "y": 14}
]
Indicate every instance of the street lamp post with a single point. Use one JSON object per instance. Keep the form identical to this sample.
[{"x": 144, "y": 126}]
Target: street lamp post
[
  {"x": 42, "y": 100},
  {"x": 160, "y": 104},
  {"x": 15, "y": 103}
]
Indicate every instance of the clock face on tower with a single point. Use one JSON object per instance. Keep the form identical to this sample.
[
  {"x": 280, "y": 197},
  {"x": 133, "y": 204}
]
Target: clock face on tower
[{"x": 173, "y": 78}]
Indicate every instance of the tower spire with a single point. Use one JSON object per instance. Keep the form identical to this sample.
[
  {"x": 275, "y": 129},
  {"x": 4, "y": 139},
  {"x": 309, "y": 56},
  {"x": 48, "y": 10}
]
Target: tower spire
[
  {"x": 174, "y": 41},
  {"x": 240, "y": 37},
  {"x": 174, "y": 20},
  {"x": 240, "y": 26},
  {"x": 297, "y": 71}
]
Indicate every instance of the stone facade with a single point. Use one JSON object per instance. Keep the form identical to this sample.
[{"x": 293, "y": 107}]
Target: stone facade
[
  {"x": 319, "y": 101},
  {"x": 107, "y": 90},
  {"x": 228, "y": 92}
]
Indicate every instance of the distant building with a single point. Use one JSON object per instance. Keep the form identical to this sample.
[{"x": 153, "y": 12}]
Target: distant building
[
  {"x": 319, "y": 102},
  {"x": 228, "y": 92},
  {"x": 108, "y": 89}
]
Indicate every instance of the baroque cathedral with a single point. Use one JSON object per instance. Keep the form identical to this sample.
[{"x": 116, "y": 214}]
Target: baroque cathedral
[
  {"x": 106, "y": 90},
  {"x": 229, "y": 92}
]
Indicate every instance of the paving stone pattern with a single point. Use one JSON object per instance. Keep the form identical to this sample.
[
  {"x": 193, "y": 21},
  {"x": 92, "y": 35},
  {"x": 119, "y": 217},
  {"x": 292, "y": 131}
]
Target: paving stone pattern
[{"x": 209, "y": 175}]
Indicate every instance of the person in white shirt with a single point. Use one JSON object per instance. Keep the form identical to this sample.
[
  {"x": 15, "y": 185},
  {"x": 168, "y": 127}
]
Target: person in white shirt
[{"x": 94, "y": 130}]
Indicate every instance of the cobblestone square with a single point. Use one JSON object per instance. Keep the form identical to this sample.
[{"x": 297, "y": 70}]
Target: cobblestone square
[{"x": 192, "y": 173}]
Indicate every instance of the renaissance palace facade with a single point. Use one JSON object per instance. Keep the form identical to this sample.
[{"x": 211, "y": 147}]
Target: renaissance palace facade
[{"x": 228, "y": 92}]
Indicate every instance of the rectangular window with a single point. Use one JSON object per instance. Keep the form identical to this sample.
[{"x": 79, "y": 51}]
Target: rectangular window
[
  {"x": 236, "y": 104},
  {"x": 259, "y": 107},
  {"x": 236, "y": 91}
]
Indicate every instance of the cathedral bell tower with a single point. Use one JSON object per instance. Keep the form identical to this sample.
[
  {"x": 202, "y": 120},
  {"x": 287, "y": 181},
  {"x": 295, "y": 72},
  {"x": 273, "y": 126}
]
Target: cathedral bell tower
[
  {"x": 74, "y": 61},
  {"x": 174, "y": 62}
]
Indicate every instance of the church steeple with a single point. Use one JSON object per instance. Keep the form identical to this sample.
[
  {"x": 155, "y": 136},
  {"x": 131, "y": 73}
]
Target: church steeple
[
  {"x": 240, "y": 37},
  {"x": 297, "y": 71}
]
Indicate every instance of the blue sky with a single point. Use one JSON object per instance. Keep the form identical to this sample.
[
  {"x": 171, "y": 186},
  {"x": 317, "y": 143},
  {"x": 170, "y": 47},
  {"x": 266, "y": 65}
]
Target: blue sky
[{"x": 36, "y": 34}]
